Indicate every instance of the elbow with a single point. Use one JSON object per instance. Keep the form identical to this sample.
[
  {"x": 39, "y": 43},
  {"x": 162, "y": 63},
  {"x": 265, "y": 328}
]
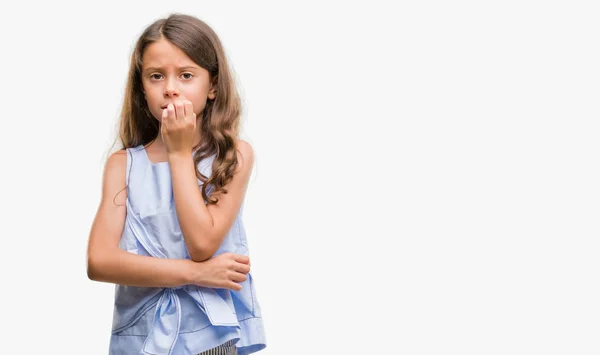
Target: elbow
[
  {"x": 92, "y": 268},
  {"x": 95, "y": 265},
  {"x": 202, "y": 252}
]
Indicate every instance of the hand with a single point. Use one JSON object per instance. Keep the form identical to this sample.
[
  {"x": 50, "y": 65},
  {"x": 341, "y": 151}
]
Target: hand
[
  {"x": 178, "y": 127},
  {"x": 222, "y": 271}
]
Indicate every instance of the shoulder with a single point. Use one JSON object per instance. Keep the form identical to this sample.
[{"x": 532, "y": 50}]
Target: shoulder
[
  {"x": 117, "y": 160},
  {"x": 244, "y": 150},
  {"x": 245, "y": 154},
  {"x": 114, "y": 169}
]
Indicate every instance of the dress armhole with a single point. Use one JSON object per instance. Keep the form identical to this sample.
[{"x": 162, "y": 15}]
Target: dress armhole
[{"x": 128, "y": 168}]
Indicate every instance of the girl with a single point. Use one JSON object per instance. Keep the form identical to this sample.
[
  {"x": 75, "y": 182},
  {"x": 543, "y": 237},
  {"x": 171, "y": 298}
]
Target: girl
[{"x": 168, "y": 231}]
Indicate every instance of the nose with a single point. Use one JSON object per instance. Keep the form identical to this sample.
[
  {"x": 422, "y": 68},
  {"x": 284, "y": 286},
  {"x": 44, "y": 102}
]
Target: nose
[{"x": 171, "y": 89}]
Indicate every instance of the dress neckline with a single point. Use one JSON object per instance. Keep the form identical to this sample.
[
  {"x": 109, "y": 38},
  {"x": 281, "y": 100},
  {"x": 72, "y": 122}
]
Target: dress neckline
[{"x": 166, "y": 162}]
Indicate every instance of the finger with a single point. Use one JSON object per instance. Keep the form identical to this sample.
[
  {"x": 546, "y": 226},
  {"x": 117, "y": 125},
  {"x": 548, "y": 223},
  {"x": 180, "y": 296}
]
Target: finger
[
  {"x": 244, "y": 259},
  {"x": 189, "y": 109},
  {"x": 237, "y": 277},
  {"x": 171, "y": 112},
  {"x": 179, "y": 111},
  {"x": 165, "y": 114},
  {"x": 242, "y": 268},
  {"x": 234, "y": 286}
]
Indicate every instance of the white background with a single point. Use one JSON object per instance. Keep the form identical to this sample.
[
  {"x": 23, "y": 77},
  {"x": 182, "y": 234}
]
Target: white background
[{"x": 426, "y": 177}]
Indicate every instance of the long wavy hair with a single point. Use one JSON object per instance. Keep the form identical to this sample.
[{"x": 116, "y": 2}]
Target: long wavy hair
[{"x": 221, "y": 117}]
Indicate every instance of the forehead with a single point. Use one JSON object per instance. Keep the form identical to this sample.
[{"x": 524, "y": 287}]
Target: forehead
[{"x": 163, "y": 53}]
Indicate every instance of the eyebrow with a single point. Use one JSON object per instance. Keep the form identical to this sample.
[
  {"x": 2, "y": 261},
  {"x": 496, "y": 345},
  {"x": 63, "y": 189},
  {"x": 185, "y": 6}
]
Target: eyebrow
[{"x": 180, "y": 68}]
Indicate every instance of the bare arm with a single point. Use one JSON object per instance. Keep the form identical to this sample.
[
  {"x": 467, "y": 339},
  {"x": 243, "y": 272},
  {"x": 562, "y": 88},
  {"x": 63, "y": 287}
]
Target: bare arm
[
  {"x": 205, "y": 226},
  {"x": 107, "y": 263},
  {"x": 120, "y": 267}
]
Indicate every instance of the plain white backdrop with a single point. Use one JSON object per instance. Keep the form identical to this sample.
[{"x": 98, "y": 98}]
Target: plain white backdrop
[{"x": 426, "y": 177}]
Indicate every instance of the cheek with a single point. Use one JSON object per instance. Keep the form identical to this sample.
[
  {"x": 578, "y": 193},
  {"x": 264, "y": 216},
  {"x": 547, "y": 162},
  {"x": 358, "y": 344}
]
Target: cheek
[
  {"x": 152, "y": 103},
  {"x": 154, "y": 108}
]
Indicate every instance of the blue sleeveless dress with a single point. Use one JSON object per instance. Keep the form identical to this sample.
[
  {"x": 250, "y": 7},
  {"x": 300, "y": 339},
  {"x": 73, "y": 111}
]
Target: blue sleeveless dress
[{"x": 184, "y": 320}]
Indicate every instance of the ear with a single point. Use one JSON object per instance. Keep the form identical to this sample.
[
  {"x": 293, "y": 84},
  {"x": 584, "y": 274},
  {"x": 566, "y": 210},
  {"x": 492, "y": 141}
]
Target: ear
[{"x": 212, "y": 94}]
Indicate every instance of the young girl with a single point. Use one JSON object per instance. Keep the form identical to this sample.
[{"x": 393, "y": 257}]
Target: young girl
[{"x": 168, "y": 231}]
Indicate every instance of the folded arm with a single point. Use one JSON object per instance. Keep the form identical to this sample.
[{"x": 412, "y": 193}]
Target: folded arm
[
  {"x": 205, "y": 226},
  {"x": 106, "y": 262}
]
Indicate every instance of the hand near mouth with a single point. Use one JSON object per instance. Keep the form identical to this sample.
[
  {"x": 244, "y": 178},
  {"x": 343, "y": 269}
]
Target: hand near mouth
[{"x": 178, "y": 127}]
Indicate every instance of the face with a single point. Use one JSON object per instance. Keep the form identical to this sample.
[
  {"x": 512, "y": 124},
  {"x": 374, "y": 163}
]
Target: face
[{"x": 169, "y": 75}]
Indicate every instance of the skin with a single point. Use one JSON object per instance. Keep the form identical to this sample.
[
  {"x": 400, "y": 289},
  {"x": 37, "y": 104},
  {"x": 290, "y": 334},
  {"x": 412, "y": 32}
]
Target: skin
[
  {"x": 169, "y": 76},
  {"x": 186, "y": 92}
]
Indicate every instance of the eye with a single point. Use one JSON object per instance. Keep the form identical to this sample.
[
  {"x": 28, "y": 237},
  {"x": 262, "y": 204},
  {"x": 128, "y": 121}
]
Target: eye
[
  {"x": 190, "y": 75},
  {"x": 153, "y": 76}
]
